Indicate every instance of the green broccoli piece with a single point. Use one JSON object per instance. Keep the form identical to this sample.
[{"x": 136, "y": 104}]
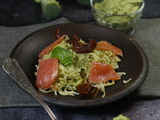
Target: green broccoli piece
[
  {"x": 38, "y": 1},
  {"x": 121, "y": 117},
  {"x": 50, "y": 8}
]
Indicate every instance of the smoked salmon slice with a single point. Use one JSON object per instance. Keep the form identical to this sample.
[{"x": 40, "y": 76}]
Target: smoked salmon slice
[
  {"x": 47, "y": 72},
  {"x": 51, "y": 46},
  {"x": 104, "y": 45},
  {"x": 101, "y": 72}
]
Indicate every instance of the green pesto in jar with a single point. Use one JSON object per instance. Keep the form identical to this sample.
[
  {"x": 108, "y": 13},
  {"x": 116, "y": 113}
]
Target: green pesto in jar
[
  {"x": 118, "y": 7},
  {"x": 117, "y": 13}
]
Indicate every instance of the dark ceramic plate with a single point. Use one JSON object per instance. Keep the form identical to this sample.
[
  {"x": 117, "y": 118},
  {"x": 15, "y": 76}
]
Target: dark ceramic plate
[{"x": 134, "y": 62}]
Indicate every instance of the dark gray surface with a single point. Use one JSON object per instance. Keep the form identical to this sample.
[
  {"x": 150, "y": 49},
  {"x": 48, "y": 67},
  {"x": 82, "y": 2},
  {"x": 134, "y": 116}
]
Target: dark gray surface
[
  {"x": 139, "y": 110},
  {"x": 147, "y": 35}
]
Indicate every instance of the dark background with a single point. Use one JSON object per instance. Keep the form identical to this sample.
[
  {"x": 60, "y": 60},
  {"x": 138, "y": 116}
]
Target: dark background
[{"x": 26, "y": 12}]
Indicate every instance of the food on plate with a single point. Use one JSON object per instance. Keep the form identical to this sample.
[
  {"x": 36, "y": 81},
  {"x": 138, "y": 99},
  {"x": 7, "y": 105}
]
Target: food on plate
[
  {"x": 87, "y": 90},
  {"x": 104, "y": 45},
  {"x": 47, "y": 72},
  {"x": 73, "y": 66},
  {"x": 102, "y": 73},
  {"x": 51, "y": 46}
]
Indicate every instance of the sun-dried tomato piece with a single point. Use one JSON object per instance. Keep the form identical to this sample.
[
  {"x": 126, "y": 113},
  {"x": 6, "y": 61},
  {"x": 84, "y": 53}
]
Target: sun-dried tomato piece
[
  {"x": 80, "y": 47},
  {"x": 87, "y": 90},
  {"x": 57, "y": 35}
]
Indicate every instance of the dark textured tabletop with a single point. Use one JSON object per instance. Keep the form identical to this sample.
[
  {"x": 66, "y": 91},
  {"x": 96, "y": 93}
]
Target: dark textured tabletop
[{"x": 143, "y": 104}]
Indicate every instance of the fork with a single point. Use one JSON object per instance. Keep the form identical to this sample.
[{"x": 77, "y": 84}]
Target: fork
[{"x": 13, "y": 69}]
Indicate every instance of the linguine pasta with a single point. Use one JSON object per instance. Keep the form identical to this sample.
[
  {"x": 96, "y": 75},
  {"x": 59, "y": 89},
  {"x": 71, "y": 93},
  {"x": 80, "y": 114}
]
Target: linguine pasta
[{"x": 69, "y": 77}]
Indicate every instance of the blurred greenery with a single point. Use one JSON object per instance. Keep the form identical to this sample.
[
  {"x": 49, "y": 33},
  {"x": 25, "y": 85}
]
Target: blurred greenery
[{"x": 51, "y": 8}]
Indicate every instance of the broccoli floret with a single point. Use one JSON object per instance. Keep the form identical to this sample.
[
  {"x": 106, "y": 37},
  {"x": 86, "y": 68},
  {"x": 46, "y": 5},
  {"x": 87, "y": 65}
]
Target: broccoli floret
[
  {"x": 121, "y": 117},
  {"x": 38, "y": 1},
  {"x": 50, "y": 8}
]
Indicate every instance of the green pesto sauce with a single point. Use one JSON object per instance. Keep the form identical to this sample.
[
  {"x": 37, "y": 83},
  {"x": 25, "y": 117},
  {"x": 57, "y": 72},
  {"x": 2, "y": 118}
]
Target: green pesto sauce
[
  {"x": 117, "y": 13},
  {"x": 121, "y": 117},
  {"x": 118, "y": 7}
]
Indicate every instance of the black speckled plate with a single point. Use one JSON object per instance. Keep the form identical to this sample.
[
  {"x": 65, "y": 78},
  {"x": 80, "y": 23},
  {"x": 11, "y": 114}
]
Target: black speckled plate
[{"x": 134, "y": 62}]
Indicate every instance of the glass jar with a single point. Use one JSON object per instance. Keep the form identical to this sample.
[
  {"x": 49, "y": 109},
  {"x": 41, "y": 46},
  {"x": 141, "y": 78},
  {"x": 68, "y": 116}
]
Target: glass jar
[{"x": 111, "y": 14}]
